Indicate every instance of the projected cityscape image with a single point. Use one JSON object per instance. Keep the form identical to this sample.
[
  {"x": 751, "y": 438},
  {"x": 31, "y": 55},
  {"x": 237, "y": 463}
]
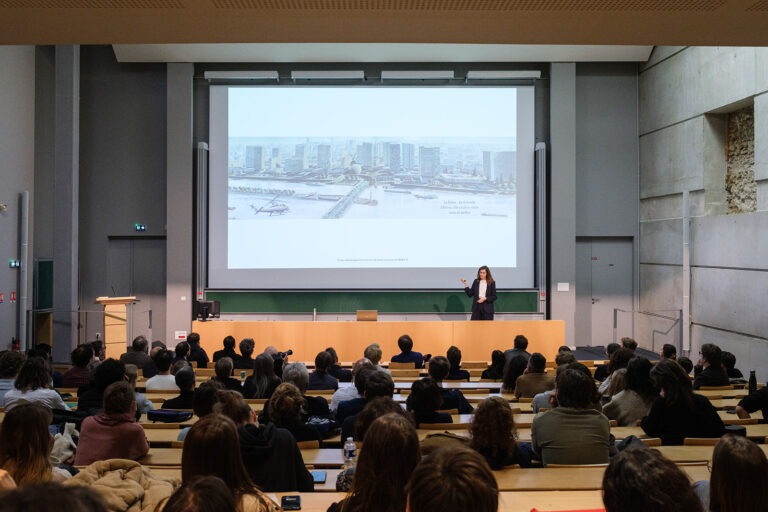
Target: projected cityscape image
[{"x": 371, "y": 177}]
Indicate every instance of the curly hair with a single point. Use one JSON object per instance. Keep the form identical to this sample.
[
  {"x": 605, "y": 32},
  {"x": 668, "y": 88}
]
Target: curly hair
[
  {"x": 286, "y": 406},
  {"x": 493, "y": 427}
]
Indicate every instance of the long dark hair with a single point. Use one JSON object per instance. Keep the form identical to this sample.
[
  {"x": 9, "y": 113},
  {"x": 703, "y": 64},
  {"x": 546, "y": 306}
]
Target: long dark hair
[
  {"x": 25, "y": 444},
  {"x": 389, "y": 455},
  {"x": 620, "y": 359},
  {"x": 669, "y": 377},
  {"x": 739, "y": 480},
  {"x": 488, "y": 276},
  {"x": 35, "y": 374},
  {"x": 493, "y": 428},
  {"x": 262, "y": 377},
  {"x": 512, "y": 370},
  {"x": 424, "y": 400},
  {"x": 639, "y": 378}
]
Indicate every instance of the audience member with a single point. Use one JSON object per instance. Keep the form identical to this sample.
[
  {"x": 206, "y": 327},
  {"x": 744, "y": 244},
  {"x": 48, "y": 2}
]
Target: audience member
[
  {"x": 668, "y": 351},
  {"x": 286, "y": 408},
  {"x": 641, "y": 480},
  {"x": 377, "y": 384},
  {"x": 196, "y": 352},
  {"x": 341, "y": 374},
  {"x": 407, "y": 355},
  {"x": 185, "y": 380},
  {"x": 113, "y": 434},
  {"x": 618, "y": 383},
  {"x": 373, "y": 353},
  {"x": 77, "y": 376},
  {"x": 453, "y": 479},
  {"x": 181, "y": 352},
  {"x": 495, "y": 370},
  {"x": 634, "y": 402},
  {"x": 535, "y": 379},
  {"x": 757, "y": 401},
  {"x": 228, "y": 351},
  {"x": 223, "y": 369},
  {"x": 179, "y": 365},
  {"x": 548, "y": 399},
  {"x": 619, "y": 359},
  {"x": 52, "y": 497},
  {"x": 739, "y": 480},
  {"x": 573, "y": 432},
  {"x": 439, "y": 368},
  {"x": 494, "y": 435},
  {"x": 629, "y": 344},
  {"x": 709, "y": 370},
  {"x": 163, "y": 381},
  {"x": 564, "y": 358},
  {"x": 563, "y": 348},
  {"x": 150, "y": 369},
  {"x": 10, "y": 364},
  {"x": 601, "y": 371},
  {"x": 514, "y": 368},
  {"x": 99, "y": 351},
  {"x": 355, "y": 405},
  {"x": 91, "y": 399},
  {"x": 205, "y": 397},
  {"x": 454, "y": 359},
  {"x": 212, "y": 449},
  {"x": 320, "y": 378},
  {"x": 263, "y": 381},
  {"x": 520, "y": 346},
  {"x": 142, "y": 402},
  {"x": 298, "y": 375},
  {"x": 270, "y": 453},
  {"x": 32, "y": 385},
  {"x": 202, "y": 494},
  {"x": 347, "y": 391},
  {"x": 245, "y": 361},
  {"x": 729, "y": 364},
  {"x": 390, "y": 454},
  {"x": 679, "y": 413},
  {"x": 137, "y": 355},
  {"x": 424, "y": 402},
  {"x": 686, "y": 364},
  {"x": 25, "y": 446}
]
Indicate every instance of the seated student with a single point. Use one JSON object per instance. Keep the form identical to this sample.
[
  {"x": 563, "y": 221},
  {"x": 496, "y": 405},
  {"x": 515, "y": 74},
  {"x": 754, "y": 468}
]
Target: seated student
[
  {"x": 454, "y": 359},
  {"x": 201, "y": 494},
  {"x": 493, "y": 435},
  {"x": 99, "y": 351},
  {"x": 573, "y": 432},
  {"x": 245, "y": 361},
  {"x": 407, "y": 355},
  {"x": 181, "y": 352},
  {"x": 535, "y": 379},
  {"x": 163, "y": 381},
  {"x": 270, "y": 453},
  {"x": 355, "y": 405},
  {"x": 77, "y": 376},
  {"x": 686, "y": 364},
  {"x": 25, "y": 446},
  {"x": 138, "y": 353},
  {"x": 91, "y": 399},
  {"x": 10, "y": 364},
  {"x": 285, "y": 411},
  {"x": 142, "y": 402},
  {"x": 337, "y": 371},
  {"x": 32, "y": 385},
  {"x": 601, "y": 371},
  {"x": 113, "y": 434},
  {"x": 179, "y": 365},
  {"x": 150, "y": 369},
  {"x": 228, "y": 351},
  {"x": 223, "y": 369},
  {"x": 347, "y": 391},
  {"x": 205, "y": 397},
  {"x": 185, "y": 380},
  {"x": 629, "y": 343},
  {"x": 212, "y": 449},
  {"x": 729, "y": 364},
  {"x": 514, "y": 368},
  {"x": 297, "y": 374},
  {"x": 320, "y": 378},
  {"x": 424, "y": 402},
  {"x": 679, "y": 412},
  {"x": 739, "y": 479},
  {"x": 439, "y": 368},
  {"x": 53, "y": 497},
  {"x": 453, "y": 479},
  {"x": 668, "y": 351},
  {"x": 263, "y": 381},
  {"x": 757, "y": 401},
  {"x": 563, "y": 348},
  {"x": 196, "y": 352},
  {"x": 496, "y": 369},
  {"x": 377, "y": 384},
  {"x": 634, "y": 402},
  {"x": 383, "y": 468},
  {"x": 373, "y": 353},
  {"x": 641, "y": 480},
  {"x": 619, "y": 359},
  {"x": 709, "y": 370},
  {"x": 521, "y": 344}
]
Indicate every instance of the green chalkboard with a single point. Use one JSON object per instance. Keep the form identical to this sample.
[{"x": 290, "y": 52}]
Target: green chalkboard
[
  {"x": 525, "y": 301},
  {"x": 43, "y": 284}
]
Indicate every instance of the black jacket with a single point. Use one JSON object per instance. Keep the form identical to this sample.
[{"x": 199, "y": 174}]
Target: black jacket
[
  {"x": 709, "y": 376},
  {"x": 490, "y": 296},
  {"x": 273, "y": 460},
  {"x": 756, "y": 401},
  {"x": 183, "y": 401},
  {"x": 227, "y": 352},
  {"x": 673, "y": 423}
]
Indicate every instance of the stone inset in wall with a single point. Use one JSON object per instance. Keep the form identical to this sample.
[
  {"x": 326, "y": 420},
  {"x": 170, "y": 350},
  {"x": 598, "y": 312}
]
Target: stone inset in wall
[{"x": 740, "y": 185}]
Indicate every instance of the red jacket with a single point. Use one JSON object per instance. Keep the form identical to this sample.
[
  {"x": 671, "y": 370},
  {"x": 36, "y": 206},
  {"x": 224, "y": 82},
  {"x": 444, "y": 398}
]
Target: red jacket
[{"x": 110, "y": 436}]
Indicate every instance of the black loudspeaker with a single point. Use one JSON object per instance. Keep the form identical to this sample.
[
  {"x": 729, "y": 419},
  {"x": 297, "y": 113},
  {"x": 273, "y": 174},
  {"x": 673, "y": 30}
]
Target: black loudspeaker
[{"x": 205, "y": 309}]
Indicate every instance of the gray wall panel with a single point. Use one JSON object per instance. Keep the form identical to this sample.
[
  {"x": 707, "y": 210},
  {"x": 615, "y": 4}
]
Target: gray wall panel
[
  {"x": 737, "y": 241},
  {"x": 660, "y": 287},
  {"x": 671, "y": 159},
  {"x": 662, "y": 242}
]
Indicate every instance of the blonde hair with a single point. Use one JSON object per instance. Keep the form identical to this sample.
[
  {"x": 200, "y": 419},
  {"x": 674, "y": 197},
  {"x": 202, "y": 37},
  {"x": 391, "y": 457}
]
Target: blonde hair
[{"x": 132, "y": 372}]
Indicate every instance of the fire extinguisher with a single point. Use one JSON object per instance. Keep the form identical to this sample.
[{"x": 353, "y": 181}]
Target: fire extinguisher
[{"x": 14, "y": 344}]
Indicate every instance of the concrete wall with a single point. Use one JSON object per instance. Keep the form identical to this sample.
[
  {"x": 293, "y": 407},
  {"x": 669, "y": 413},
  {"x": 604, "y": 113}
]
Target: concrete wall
[
  {"x": 17, "y": 154},
  {"x": 684, "y": 94}
]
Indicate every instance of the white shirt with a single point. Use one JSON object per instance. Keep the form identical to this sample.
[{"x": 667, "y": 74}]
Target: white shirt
[
  {"x": 43, "y": 396},
  {"x": 482, "y": 289},
  {"x": 346, "y": 391},
  {"x": 162, "y": 383}
]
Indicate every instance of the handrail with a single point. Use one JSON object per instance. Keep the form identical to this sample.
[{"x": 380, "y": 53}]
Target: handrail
[{"x": 676, "y": 322}]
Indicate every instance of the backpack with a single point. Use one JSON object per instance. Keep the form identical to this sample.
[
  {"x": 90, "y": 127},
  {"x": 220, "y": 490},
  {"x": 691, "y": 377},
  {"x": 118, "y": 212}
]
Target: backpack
[{"x": 168, "y": 416}]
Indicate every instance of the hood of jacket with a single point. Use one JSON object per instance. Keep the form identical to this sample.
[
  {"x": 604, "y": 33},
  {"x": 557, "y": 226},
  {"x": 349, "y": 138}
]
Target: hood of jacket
[
  {"x": 111, "y": 420},
  {"x": 257, "y": 442}
]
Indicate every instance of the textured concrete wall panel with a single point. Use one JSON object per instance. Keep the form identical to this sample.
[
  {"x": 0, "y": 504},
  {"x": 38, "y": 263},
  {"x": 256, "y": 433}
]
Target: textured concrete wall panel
[
  {"x": 671, "y": 159},
  {"x": 662, "y": 242},
  {"x": 660, "y": 53},
  {"x": 660, "y": 287},
  {"x": 661, "y": 207},
  {"x": 751, "y": 353},
  {"x": 737, "y": 241}
]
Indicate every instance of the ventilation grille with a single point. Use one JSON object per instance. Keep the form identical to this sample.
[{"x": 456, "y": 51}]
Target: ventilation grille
[
  {"x": 762, "y": 5},
  {"x": 474, "y": 5},
  {"x": 91, "y": 4}
]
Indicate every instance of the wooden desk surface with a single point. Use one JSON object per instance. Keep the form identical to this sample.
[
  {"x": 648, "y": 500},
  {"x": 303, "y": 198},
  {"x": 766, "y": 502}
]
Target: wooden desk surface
[
  {"x": 174, "y": 472},
  {"x": 724, "y": 415},
  {"x": 455, "y": 385},
  {"x": 726, "y": 393},
  {"x": 693, "y": 453},
  {"x": 725, "y": 403}
]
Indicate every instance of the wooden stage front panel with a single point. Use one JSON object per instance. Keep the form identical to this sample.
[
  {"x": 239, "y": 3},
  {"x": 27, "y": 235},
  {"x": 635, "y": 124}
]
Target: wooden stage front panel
[{"x": 475, "y": 339}]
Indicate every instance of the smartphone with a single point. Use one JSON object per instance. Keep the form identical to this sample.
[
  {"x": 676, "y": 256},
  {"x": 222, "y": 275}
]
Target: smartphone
[
  {"x": 731, "y": 411},
  {"x": 319, "y": 476},
  {"x": 290, "y": 503}
]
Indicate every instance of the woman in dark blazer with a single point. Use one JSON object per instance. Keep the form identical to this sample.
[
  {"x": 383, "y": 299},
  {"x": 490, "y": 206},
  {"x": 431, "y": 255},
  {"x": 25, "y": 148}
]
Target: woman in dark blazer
[{"x": 483, "y": 293}]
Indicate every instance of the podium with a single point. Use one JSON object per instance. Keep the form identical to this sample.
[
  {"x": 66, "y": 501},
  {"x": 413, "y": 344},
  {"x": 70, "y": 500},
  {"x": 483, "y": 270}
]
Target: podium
[{"x": 115, "y": 324}]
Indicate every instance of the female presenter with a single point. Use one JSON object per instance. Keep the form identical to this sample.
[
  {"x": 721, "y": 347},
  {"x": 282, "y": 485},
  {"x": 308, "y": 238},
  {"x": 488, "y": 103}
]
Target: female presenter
[{"x": 483, "y": 293}]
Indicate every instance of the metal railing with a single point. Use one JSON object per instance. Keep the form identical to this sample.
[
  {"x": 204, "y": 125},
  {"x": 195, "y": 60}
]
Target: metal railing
[{"x": 675, "y": 325}]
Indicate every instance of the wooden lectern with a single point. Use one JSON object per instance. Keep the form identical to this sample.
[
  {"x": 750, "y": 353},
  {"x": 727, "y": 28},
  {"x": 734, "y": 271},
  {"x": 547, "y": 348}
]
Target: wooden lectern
[{"x": 115, "y": 324}]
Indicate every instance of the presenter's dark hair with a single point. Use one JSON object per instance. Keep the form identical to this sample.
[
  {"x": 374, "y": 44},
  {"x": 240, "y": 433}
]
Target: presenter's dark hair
[
  {"x": 405, "y": 343},
  {"x": 488, "y": 276}
]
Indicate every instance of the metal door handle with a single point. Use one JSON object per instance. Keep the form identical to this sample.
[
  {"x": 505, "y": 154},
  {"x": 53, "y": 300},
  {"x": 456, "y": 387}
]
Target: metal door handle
[{"x": 595, "y": 300}]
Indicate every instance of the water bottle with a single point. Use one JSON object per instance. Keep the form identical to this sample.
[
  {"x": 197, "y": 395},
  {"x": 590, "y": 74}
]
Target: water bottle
[
  {"x": 752, "y": 382},
  {"x": 350, "y": 453}
]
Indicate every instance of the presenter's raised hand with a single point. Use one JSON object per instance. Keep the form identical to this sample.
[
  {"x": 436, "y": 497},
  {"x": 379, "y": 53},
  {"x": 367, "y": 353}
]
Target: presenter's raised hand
[{"x": 465, "y": 282}]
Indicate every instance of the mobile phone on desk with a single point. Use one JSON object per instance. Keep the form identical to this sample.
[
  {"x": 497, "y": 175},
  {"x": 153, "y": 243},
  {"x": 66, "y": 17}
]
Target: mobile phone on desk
[
  {"x": 290, "y": 503},
  {"x": 319, "y": 476}
]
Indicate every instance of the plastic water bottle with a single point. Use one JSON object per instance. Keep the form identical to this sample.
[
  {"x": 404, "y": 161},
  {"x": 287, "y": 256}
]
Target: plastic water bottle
[
  {"x": 752, "y": 382},
  {"x": 350, "y": 453}
]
